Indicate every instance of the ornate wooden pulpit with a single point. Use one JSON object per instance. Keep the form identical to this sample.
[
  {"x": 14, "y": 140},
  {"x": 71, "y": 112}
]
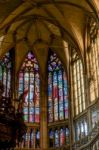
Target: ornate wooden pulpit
[{"x": 12, "y": 126}]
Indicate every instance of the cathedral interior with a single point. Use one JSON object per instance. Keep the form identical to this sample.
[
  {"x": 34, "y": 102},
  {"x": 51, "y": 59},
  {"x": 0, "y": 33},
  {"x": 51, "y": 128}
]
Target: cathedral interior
[{"x": 49, "y": 74}]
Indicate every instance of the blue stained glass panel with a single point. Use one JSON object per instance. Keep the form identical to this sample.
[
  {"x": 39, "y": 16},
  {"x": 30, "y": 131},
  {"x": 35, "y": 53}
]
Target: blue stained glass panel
[
  {"x": 67, "y": 136},
  {"x": 50, "y": 91},
  {"x": 67, "y": 132},
  {"x": 56, "y": 138},
  {"x": 51, "y": 134},
  {"x": 31, "y": 110},
  {"x": 38, "y": 135},
  {"x": 25, "y": 110},
  {"x": 50, "y": 103},
  {"x": 31, "y": 93},
  {"x": 21, "y": 87},
  {"x": 65, "y": 91}
]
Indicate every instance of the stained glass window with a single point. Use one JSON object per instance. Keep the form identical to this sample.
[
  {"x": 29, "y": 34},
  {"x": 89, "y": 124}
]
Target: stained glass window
[
  {"x": 51, "y": 138},
  {"x": 81, "y": 128},
  {"x": 62, "y": 136},
  {"x": 5, "y": 73},
  {"x": 29, "y": 88},
  {"x": 59, "y": 136},
  {"x": 56, "y": 138},
  {"x": 94, "y": 117},
  {"x": 67, "y": 135},
  {"x": 57, "y": 90},
  {"x": 31, "y": 139},
  {"x": 37, "y": 139}
]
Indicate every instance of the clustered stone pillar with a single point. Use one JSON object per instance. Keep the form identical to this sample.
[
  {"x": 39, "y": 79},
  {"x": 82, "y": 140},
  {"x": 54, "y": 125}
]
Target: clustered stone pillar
[{"x": 43, "y": 114}]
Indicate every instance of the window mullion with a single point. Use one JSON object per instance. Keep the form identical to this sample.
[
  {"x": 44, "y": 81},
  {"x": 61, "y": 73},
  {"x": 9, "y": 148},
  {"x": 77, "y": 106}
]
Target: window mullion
[
  {"x": 63, "y": 94},
  {"x": 81, "y": 89},
  {"x": 29, "y": 97},
  {"x": 58, "y": 96},
  {"x": 53, "y": 98}
]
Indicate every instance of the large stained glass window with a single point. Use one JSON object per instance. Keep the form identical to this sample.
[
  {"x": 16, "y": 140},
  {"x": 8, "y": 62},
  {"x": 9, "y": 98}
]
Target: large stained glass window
[
  {"x": 5, "y": 73},
  {"x": 29, "y": 88},
  {"x": 57, "y": 90}
]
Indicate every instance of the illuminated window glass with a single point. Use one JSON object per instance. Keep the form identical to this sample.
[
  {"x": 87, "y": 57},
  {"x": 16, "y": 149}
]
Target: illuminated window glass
[
  {"x": 62, "y": 137},
  {"x": 37, "y": 139},
  {"x": 94, "y": 117},
  {"x": 81, "y": 129},
  {"x": 59, "y": 137},
  {"x": 51, "y": 138},
  {"x": 29, "y": 89},
  {"x": 31, "y": 139},
  {"x": 78, "y": 84},
  {"x": 57, "y": 90},
  {"x": 56, "y": 138},
  {"x": 67, "y": 135},
  {"x": 5, "y": 74}
]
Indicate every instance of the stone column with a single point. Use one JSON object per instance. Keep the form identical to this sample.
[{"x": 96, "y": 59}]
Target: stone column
[
  {"x": 70, "y": 110},
  {"x": 43, "y": 117}
]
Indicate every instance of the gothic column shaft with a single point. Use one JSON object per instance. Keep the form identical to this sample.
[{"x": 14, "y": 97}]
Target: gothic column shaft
[{"x": 43, "y": 113}]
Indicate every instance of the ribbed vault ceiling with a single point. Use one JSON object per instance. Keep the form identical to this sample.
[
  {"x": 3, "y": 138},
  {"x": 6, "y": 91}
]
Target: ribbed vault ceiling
[{"x": 39, "y": 24}]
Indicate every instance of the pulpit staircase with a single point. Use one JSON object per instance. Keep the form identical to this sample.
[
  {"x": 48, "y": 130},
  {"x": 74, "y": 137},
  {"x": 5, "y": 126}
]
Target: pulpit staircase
[{"x": 90, "y": 142}]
